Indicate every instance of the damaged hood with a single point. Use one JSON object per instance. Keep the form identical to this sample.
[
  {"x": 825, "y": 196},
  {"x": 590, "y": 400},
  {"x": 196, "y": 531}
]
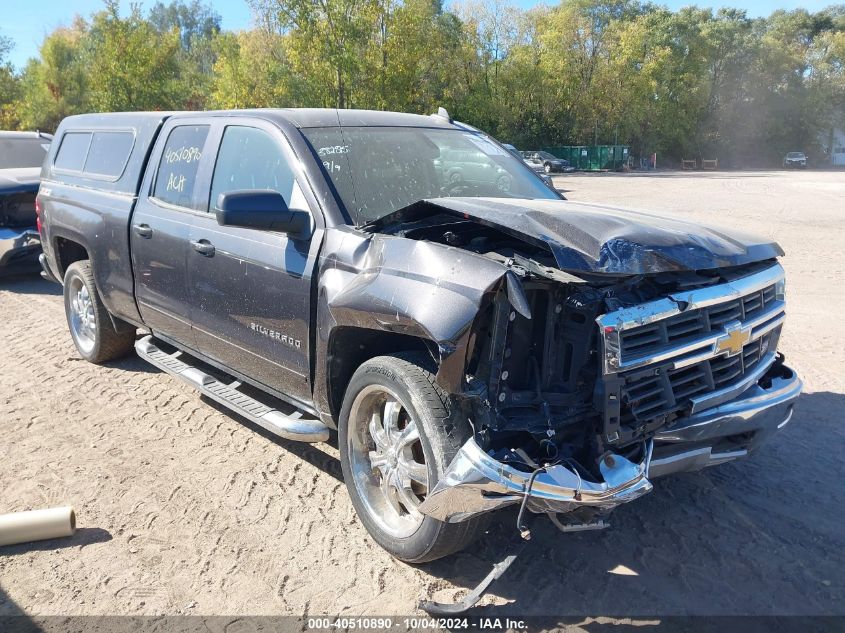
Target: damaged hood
[
  {"x": 592, "y": 238},
  {"x": 19, "y": 180}
]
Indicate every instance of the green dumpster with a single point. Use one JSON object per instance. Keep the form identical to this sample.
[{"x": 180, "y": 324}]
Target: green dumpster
[{"x": 593, "y": 157}]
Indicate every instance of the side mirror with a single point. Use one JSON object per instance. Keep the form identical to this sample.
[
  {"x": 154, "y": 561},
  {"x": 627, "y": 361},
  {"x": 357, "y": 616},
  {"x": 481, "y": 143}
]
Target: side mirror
[{"x": 261, "y": 209}]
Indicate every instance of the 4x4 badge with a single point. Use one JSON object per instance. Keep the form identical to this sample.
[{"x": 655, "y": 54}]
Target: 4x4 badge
[{"x": 734, "y": 339}]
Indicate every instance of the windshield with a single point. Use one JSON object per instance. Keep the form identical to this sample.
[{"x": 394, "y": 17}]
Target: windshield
[
  {"x": 379, "y": 170},
  {"x": 795, "y": 155},
  {"x": 22, "y": 152},
  {"x": 546, "y": 155}
]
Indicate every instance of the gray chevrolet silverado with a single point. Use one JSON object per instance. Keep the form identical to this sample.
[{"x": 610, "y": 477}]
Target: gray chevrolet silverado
[{"x": 476, "y": 343}]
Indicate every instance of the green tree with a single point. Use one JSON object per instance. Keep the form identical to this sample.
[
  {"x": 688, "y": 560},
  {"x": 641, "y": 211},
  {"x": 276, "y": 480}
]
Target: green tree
[
  {"x": 56, "y": 84},
  {"x": 251, "y": 71},
  {"x": 327, "y": 41},
  {"x": 9, "y": 87},
  {"x": 198, "y": 25},
  {"x": 132, "y": 65}
]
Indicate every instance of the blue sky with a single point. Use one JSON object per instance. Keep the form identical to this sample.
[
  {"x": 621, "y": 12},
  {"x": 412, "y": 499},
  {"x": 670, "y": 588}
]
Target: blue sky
[{"x": 28, "y": 21}]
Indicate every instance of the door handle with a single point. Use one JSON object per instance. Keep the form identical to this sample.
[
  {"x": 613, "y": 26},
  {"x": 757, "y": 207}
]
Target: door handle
[
  {"x": 143, "y": 230},
  {"x": 204, "y": 247}
]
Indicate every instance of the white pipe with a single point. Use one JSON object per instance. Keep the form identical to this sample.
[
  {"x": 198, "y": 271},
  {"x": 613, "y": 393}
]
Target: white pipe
[{"x": 36, "y": 525}]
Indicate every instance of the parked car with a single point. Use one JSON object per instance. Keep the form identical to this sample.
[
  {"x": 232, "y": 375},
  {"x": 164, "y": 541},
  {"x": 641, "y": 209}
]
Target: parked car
[
  {"x": 474, "y": 347},
  {"x": 469, "y": 166},
  {"x": 547, "y": 163},
  {"x": 546, "y": 178},
  {"x": 21, "y": 156},
  {"x": 795, "y": 159}
]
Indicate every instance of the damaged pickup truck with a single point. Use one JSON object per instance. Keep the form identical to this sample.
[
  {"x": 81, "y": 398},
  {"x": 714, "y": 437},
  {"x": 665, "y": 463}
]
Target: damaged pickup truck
[
  {"x": 21, "y": 156},
  {"x": 476, "y": 342}
]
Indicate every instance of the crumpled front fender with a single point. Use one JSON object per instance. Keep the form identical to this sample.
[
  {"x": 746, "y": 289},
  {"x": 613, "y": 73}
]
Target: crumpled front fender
[{"x": 422, "y": 289}]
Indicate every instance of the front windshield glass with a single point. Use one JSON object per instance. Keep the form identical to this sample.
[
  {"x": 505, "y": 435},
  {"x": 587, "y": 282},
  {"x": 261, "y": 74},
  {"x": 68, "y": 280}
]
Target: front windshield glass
[
  {"x": 379, "y": 170},
  {"x": 546, "y": 155},
  {"x": 795, "y": 155},
  {"x": 22, "y": 152}
]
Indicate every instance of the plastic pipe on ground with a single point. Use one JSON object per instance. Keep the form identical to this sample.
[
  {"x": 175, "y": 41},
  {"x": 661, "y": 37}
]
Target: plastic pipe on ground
[{"x": 36, "y": 525}]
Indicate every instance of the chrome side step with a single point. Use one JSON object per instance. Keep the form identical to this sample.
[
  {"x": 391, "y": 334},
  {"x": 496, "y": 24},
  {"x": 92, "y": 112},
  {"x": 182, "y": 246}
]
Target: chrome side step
[{"x": 291, "y": 426}]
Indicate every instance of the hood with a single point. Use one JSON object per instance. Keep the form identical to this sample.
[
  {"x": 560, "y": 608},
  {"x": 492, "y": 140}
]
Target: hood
[
  {"x": 592, "y": 238},
  {"x": 19, "y": 180}
]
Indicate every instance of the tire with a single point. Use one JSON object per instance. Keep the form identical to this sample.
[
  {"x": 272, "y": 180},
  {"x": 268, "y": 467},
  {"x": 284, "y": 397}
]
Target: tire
[
  {"x": 406, "y": 379},
  {"x": 547, "y": 168},
  {"x": 91, "y": 326}
]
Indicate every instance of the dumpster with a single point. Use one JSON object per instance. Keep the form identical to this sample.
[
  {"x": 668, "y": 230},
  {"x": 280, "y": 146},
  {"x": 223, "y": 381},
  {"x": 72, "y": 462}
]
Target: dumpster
[{"x": 593, "y": 157}]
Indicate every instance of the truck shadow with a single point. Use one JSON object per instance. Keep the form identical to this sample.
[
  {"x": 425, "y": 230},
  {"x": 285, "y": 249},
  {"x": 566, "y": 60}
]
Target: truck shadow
[
  {"x": 314, "y": 454},
  {"x": 759, "y": 536},
  {"x": 28, "y": 284}
]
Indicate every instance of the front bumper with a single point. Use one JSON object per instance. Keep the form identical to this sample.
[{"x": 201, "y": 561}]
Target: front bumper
[
  {"x": 475, "y": 483},
  {"x": 19, "y": 246}
]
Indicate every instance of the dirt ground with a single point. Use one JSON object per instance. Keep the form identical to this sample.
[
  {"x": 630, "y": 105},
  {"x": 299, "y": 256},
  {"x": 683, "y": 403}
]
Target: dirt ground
[{"x": 184, "y": 509}]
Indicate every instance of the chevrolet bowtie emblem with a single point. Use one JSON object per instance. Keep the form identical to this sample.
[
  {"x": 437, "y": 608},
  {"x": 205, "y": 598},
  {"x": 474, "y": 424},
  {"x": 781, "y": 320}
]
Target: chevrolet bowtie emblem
[{"x": 734, "y": 339}]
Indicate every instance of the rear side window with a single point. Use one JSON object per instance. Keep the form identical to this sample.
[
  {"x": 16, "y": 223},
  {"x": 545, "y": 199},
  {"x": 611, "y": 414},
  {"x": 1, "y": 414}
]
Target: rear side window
[
  {"x": 108, "y": 153},
  {"x": 250, "y": 158},
  {"x": 100, "y": 155},
  {"x": 176, "y": 178},
  {"x": 73, "y": 151}
]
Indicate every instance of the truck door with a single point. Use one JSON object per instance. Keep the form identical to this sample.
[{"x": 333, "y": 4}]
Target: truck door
[
  {"x": 251, "y": 289},
  {"x": 160, "y": 231}
]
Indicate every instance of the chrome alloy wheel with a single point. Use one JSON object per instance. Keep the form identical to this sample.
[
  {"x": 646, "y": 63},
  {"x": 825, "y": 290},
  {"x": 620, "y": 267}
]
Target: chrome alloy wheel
[
  {"x": 387, "y": 460},
  {"x": 83, "y": 324}
]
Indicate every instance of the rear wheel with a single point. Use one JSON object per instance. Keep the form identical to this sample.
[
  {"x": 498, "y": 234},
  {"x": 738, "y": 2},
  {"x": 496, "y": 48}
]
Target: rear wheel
[
  {"x": 396, "y": 439},
  {"x": 91, "y": 326}
]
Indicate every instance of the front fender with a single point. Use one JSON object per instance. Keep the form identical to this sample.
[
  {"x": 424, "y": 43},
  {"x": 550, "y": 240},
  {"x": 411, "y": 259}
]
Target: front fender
[{"x": 403, "y": 286}]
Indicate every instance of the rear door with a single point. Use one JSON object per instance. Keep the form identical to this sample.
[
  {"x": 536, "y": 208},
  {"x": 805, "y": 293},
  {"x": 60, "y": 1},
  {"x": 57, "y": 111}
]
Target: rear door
[
  {"x": 161, "y": 225},
  {"x": 251, "y": 289}
]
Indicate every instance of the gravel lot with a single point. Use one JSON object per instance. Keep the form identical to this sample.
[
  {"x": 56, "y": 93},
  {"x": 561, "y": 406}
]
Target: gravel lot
[{"x": 184, "y": 509}]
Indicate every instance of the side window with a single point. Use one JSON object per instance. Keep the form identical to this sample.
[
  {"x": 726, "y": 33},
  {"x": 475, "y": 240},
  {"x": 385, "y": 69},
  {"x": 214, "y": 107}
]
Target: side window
[
  {"x": 250, "y": 158},
  {"x": 109, "y": 153},
  {"x": 177, "y": 172},
  {"x": 72, "y": 151}
]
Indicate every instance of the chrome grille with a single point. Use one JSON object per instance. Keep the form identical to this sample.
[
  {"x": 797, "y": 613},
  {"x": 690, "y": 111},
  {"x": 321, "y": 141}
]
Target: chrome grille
[
  {"x": 694, "y": 349},
  {"x": 659, "y": 390},
  {"x": 687, "y": 326}
]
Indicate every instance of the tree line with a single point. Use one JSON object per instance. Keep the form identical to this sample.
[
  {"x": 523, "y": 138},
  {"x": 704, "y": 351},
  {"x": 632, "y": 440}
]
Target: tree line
[{"x": 693, "y": 83}]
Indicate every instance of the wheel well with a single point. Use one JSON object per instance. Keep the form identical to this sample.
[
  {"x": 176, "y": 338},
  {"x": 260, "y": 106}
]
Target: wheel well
[
  {"x": 350, "y": 347},
  {"x": 68, "y": 252}
]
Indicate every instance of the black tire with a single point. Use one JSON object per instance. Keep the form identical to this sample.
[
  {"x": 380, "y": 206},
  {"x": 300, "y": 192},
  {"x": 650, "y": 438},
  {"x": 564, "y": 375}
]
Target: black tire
[
  {"x": 105, "y": 342},
  {"x": 547, "y": 168},
  {"x": 409, "y": 376}
]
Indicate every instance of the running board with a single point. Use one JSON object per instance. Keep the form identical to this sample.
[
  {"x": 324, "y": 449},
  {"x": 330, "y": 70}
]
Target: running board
[{"x": 289, "y": 426}]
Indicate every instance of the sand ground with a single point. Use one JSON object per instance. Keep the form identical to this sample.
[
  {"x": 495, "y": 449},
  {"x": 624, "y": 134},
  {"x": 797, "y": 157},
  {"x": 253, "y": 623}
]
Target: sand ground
[{"x": 184, "y": 509}]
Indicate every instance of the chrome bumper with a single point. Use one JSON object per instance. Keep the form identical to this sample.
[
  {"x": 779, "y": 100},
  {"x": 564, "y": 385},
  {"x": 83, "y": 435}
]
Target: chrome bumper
[
  {"x": 16, "y": 244},
  {"x": 475, "y": 483}
]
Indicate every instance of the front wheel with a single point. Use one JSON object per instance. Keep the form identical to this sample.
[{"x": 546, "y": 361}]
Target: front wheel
[
  {"x": 547, "y": 168},
  {"x": 396, "y": 439},
  {"x": 91, "y": 326}
]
